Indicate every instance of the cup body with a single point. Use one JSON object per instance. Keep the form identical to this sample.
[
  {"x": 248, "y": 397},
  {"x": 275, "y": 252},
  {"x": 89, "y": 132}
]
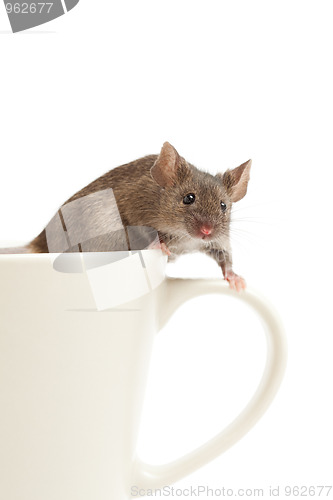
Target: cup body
[
  {"x": 76, "y": 334},
  {"x": 72, "y": 378}
]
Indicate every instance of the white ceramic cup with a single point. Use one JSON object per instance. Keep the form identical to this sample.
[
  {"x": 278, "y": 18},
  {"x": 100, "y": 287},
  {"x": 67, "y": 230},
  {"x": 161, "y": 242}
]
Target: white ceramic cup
[{"x": 72, "y": 377}]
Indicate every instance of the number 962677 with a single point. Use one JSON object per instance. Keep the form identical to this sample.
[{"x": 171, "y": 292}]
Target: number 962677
[{"x": 29, "y": 8}]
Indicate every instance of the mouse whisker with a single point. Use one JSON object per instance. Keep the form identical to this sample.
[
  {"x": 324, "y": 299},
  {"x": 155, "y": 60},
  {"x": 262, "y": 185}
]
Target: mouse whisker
[
  {"x": 240, "y": 230},
  {"x": 240, "y": 236},
  {"x": 264, "y": 221},
  {"x": 177, "y": 238},
  {"x": 255, "y": 205}
]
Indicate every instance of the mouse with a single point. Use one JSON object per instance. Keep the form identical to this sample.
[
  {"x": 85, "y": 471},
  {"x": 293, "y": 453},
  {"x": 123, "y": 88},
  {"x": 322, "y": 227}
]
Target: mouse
[{"x": 157, "y": 201}]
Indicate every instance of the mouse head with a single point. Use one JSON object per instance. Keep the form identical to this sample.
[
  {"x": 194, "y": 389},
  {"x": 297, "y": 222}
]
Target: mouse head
[{"x": 193, "y": 202}]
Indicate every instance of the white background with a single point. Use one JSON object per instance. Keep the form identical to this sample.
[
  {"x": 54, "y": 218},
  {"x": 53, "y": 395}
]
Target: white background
[{"x": 222, "y": 81}]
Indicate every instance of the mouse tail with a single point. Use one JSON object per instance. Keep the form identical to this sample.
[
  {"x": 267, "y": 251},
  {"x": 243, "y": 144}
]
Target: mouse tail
[{"x": 14, "y": 250}]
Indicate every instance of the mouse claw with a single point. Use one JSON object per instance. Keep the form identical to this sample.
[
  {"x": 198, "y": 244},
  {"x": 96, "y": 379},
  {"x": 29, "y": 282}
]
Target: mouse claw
[
  {"x": 156, "y": 244},
  {"x": 165, "y": 249},
  {"x": 235, "y": 282}
]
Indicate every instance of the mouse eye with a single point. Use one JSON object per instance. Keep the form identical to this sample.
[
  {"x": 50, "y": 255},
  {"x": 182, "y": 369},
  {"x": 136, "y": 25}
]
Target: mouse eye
[
  {"x": 189, "y": 199},
  {"x": 223, "y": 206}
]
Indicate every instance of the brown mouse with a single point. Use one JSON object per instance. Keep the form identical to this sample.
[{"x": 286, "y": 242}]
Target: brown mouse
[{"x": 187, "y": 208}]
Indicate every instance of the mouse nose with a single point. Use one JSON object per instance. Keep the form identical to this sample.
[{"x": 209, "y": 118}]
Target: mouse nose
[{"x": 206, "y": 230}]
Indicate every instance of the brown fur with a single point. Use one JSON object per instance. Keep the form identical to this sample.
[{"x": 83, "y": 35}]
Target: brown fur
[{"x": 150, "y": 191}]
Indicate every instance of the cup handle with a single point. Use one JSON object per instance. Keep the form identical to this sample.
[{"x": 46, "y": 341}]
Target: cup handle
[{"x": 175, "y": 293}]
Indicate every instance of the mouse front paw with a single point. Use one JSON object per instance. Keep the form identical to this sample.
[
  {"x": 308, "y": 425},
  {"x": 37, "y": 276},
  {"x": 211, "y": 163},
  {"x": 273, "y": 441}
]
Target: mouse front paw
[
  {"x": 235, "y": 282},
  {"x": 156, "y": 244}
]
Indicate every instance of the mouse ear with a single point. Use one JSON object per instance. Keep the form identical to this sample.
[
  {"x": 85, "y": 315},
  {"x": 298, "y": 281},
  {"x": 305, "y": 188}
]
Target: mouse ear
[
  {"x": 164, "y": 170},
  {"x": 235, "y": 181}
]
